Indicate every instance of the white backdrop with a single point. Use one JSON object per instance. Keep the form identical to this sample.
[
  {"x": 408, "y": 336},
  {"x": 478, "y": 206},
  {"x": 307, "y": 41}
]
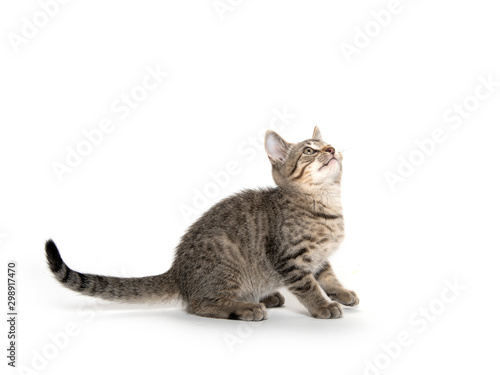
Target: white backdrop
[{"x": 122, "y": 121}]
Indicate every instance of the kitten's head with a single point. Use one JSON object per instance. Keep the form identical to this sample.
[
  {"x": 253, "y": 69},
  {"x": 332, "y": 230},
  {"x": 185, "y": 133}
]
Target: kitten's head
[{"x": 312, "y": 165}]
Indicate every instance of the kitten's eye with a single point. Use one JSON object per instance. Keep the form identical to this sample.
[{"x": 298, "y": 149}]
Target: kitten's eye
[{"x": 309, "y": 151}]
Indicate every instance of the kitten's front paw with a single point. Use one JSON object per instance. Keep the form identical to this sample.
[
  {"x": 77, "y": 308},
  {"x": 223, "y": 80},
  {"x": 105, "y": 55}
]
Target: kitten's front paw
[
  {"x": 331, "y": 311},
  {"x": 345, "y": 297}
]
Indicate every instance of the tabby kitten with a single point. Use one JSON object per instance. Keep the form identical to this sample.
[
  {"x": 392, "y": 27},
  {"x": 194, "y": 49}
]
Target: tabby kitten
[{"x": 232, "y": 261}]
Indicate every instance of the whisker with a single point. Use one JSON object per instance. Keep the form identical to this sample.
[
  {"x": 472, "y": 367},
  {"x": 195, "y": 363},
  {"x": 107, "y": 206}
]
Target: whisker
[{"x": 346, "y": 149}]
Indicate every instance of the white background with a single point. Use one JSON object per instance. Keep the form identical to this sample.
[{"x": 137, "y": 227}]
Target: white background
[{"x": 119, "y": 211}]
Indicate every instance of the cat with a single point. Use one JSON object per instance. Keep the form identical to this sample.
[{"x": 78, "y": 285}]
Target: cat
[{"x": 231, "y": 262}]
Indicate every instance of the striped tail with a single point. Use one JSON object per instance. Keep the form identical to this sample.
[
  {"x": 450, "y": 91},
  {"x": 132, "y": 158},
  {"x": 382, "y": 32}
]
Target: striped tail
[{"x": 160, "y": 288}]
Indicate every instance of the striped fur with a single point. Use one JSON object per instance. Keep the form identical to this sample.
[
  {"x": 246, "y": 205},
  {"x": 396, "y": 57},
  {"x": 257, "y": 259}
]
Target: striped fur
[
  {"x": 232, "y": 261},
  {"x": 159, "y": 288}
]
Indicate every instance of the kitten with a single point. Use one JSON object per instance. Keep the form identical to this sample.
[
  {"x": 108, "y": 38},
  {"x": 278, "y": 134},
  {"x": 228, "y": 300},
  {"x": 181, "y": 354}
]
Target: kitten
[{"x": 232, "y": 261}]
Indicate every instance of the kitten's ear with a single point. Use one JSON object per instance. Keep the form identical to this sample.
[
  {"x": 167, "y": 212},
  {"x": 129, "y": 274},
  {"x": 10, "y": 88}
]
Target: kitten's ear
[
  {"x": 276, "y": 147},
  {"x": 317, "y": 134}
]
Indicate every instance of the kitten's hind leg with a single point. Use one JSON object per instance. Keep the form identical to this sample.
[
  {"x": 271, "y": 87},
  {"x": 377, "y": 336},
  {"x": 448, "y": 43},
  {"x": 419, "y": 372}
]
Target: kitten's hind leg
[
  {"x": 274, "y": 300},
  {"x": 228, "y": 309}
]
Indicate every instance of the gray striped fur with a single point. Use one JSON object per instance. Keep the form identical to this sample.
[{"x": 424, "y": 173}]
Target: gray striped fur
[{"x": 232, "y": 261}]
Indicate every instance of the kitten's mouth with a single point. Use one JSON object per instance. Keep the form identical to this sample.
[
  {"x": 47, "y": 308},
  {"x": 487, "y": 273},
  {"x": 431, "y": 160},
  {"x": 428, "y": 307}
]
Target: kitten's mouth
[{"x": 329, "y": 162}]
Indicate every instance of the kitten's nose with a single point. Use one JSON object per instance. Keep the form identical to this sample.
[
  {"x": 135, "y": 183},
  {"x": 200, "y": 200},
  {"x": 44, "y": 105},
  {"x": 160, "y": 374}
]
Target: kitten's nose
[{"x": 330, "y": 150}]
